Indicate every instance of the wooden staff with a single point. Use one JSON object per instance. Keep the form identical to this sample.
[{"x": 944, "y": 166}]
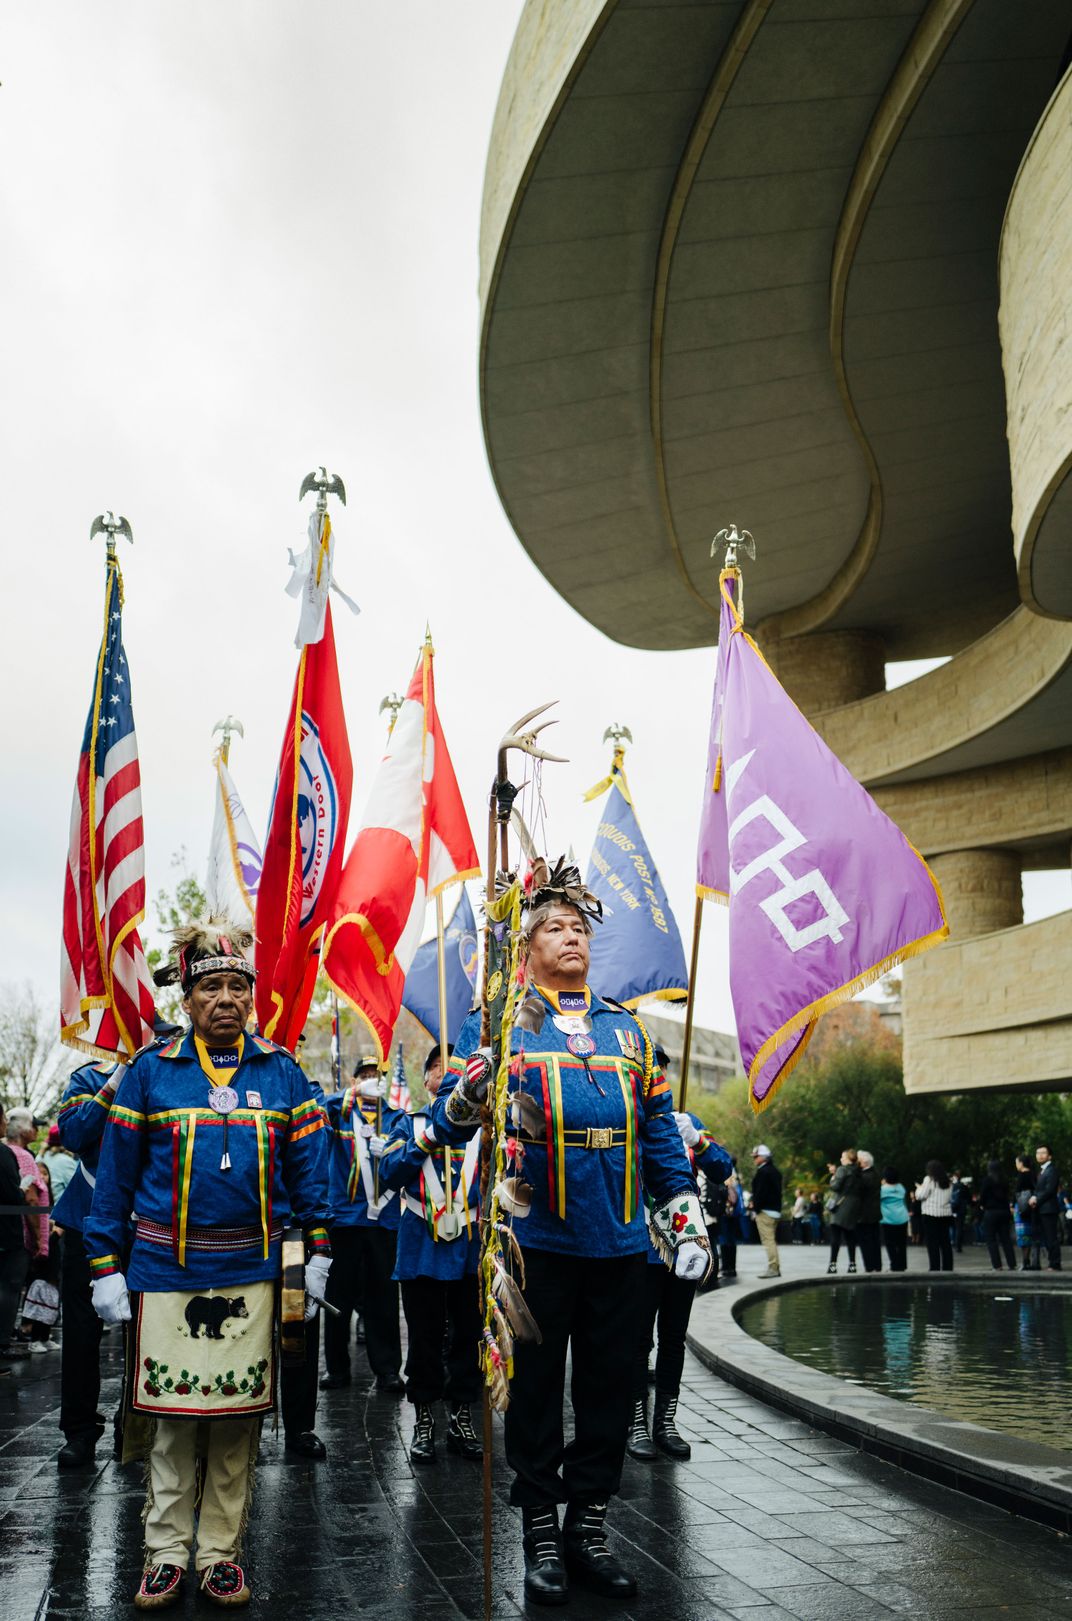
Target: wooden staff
[
  {"x": 500, "y": 806},
  {"x": 686, "y": 1050}
]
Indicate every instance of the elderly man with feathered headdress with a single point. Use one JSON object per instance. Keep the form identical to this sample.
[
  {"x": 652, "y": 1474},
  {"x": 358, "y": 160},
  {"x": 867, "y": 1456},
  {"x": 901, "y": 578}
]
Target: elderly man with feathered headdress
[
  {"x": 595, "y": 1139},
  {"x": 216, "y": 1142}
]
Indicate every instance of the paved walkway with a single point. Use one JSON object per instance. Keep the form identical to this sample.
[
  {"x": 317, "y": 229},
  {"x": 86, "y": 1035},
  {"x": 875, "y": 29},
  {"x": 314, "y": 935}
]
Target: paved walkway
[{"x": 770, "y": 1520}]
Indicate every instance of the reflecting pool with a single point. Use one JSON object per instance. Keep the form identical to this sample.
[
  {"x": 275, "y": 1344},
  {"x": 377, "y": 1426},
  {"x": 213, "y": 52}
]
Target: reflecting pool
[{"x": 1001, "y": 1360}]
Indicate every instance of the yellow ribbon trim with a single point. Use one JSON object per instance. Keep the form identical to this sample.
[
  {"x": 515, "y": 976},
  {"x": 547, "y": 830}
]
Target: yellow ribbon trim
[{"x": 184, "y": 1192}]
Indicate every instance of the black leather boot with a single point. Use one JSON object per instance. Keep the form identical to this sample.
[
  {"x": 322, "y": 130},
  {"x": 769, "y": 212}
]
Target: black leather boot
[
  {"x": 422, "y": 1447},
  {"x": 461, "y": 1436},
  {"x": 78, "y": 1453},
  {"x": 664, "y": 1430},
  {"x": 545, "y": 1574},
  {"x": 584, "y": 1545},
  {"x": 639, "y": 1444}
]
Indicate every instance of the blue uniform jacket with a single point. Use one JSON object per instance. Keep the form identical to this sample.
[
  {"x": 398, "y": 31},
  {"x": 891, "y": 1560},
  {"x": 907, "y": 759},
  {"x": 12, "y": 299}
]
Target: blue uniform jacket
[
  {"x": 709, "y": 1157},
  {"x": 407, "y": 1159},
  {"x": 198, "y": 1226},
  {"x": 82, "y": 1118},
  {"x": 587, "y": 1198},
  {"x": 352, "y": 1182}
]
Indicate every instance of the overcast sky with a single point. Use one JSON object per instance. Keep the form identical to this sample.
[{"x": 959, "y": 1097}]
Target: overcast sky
[{"x": 238, "y": 240}]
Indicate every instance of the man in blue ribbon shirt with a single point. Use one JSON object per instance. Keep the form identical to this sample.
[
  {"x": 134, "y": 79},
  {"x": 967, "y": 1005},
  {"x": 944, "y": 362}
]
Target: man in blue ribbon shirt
[
  {"x": 217, "y": 1144},
  {"x": 437, "y": 1266},
  {"x": 364, "y": 1236},
  {"x": 597, "y": 1137}
]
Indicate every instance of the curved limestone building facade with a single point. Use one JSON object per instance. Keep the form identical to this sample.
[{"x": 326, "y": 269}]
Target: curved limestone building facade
[{"x": 806, "y": 265}]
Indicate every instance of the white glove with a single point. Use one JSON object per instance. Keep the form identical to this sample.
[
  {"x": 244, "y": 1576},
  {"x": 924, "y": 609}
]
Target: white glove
[
  {"x": 316, "y": 1282},
  {"x": 376, "y": 1146},
  {"x": 691, "y": 1261},
  {"x": 373, "y": 1089},
  {"x": 111, "y": 1302},
  {"x": 687, "y": 1127},
  {"x": 428, "y": 1132}
]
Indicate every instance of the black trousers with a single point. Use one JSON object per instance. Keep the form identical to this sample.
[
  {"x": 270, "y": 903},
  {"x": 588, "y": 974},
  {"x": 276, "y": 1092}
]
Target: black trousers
[
  {"x": 445, "y": 1335},
  {"x": 870, "y": 1248},
  {"x": 667, "y": 1302},
  {"x": 839, "y": 1236},
  {"x": 1051, "y": 1237},
  {"x": 80, "y": 1377},
  {"x": 895, "y": 1238},
  {"x": 589, "y": 1308},
  {"x": 997, "y": 1230},
  {"x": 298, "y": 1384},
  {"x": 14, "y": 1265},
  {"x": 362, "y": 1260},
  {"x": 728, "y": 1257},
  {"x": 936, "y": 1236}
]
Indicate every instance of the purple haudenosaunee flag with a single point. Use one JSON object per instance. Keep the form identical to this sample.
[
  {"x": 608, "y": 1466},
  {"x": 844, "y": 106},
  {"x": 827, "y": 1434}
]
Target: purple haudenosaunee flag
[{"x": 825, "y": 893}]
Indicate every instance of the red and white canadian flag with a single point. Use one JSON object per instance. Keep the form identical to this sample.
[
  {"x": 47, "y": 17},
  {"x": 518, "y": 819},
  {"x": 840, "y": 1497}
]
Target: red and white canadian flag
[{"x": 413, "y": 841}]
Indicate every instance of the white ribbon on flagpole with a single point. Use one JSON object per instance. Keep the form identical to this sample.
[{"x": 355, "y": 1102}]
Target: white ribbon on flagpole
[{"x": 312, "y": 578}]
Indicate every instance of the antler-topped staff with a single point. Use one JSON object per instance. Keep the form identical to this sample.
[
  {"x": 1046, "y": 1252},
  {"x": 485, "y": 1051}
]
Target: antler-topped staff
[{"x": 500, "y": 968}]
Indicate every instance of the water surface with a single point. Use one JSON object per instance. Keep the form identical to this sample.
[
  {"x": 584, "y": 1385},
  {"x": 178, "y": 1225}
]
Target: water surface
[{"x": 1003, "y": 1362}]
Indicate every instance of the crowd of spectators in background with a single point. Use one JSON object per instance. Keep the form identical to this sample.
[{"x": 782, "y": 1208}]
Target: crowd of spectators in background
[
  {"x": 29, "y": 1239},
  {"x": 875, "y": 1217}
]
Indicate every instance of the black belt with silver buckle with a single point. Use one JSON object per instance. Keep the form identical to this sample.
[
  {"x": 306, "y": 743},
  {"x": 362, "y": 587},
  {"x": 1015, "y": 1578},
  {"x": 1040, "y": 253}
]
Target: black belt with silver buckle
[{"x": 590, "y": 1137}]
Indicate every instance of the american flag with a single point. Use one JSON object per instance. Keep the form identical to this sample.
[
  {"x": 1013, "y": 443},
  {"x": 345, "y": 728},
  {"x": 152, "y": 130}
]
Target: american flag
[
  {"x": 398, "y": 1096},
  {"x": 106, "y": 998}
]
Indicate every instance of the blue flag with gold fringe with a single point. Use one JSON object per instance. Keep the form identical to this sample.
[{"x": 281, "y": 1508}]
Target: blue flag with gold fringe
[
  {"x": 421, "y": 995},
  {"x": 637, "y": 952}
]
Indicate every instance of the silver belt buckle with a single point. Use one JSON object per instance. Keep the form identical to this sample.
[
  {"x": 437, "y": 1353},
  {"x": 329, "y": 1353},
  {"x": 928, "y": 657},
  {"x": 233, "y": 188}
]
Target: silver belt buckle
[{"x": 600, "y": 1137}]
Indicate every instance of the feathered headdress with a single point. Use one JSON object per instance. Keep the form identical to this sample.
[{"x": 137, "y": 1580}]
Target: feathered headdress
[
  {"x": 218, "y": 946},
  {"x": 562, "y": 883}
]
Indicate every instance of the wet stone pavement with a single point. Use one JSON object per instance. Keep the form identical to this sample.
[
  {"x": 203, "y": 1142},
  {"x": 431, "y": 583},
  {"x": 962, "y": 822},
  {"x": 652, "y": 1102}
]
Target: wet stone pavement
[{"x": 770, "y": 1520}]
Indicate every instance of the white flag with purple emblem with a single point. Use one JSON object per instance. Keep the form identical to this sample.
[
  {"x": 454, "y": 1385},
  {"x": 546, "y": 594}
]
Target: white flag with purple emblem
[
  {"x": 825, "y": 893},
  {"x": 234, "y": 857}
]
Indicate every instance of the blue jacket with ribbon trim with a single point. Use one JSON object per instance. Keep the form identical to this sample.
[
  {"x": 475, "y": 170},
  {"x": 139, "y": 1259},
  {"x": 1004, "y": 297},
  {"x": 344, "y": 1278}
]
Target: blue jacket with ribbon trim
[
  {"x": 353, "y": 1176},
  {"x": 83, "y": 1115},
  {"x": 199, "y": 1225},
  {"x": 606, "y": 1133},
  {"x": 418, "y": 1168},
  {"x": 707, "y": 1156}
]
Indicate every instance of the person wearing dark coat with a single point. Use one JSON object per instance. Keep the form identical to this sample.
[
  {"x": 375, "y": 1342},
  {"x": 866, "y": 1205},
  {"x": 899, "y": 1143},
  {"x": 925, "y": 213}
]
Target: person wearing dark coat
[
  {"x": 1047, "y": 1207},
  {"x": 870, "y": 1217},
  {"x": 997, "y": 1216},
  {"x": 843, "y": 1208}
]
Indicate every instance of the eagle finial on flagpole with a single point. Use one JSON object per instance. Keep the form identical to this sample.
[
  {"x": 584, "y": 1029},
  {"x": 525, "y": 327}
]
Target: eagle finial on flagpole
[
  {"x": 731, "y": 538},
  {"x": 111, "y": 524},
  {"x": 392, "y": 703},
  {"x": 616, "y": 733},
  {"x": 228, "y": 726},
  {"x": 325, "y": 484}
]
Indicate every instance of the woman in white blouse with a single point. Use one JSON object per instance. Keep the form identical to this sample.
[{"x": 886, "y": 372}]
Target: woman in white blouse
[{"x": 935, "y": 1196}]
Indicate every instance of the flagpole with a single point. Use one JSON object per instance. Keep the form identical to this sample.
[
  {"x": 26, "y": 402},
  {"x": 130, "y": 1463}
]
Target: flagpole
[
  {"x": 694, "y": 961},
  {"x": 338, "y": 1041},
  {"x": 441, "y": 965}
]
